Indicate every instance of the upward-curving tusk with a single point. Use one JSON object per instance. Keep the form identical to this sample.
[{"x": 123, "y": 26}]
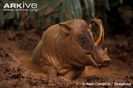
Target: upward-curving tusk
[
  {"x": 100, "y": 38},
  {"x": 91, "y": 35}
]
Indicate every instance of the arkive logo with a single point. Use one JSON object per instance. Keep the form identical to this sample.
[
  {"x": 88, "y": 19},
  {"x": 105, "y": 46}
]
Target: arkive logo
[{"x": 22, "y": 6}]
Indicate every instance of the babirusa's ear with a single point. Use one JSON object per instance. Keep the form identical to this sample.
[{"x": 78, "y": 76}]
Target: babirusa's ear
[{"x": 65, "y": 28}]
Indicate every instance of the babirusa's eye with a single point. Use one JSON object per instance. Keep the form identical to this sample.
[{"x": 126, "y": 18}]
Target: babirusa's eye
[{"x": 85, "y": 42}]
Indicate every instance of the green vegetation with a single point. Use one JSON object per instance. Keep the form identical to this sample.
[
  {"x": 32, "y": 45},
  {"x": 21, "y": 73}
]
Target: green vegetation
[{"x": 53, "y": 11}]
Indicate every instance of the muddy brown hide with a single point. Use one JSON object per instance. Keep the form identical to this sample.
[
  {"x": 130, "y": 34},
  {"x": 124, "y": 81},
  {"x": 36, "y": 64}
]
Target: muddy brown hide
[{"x": 66, "y": 46}]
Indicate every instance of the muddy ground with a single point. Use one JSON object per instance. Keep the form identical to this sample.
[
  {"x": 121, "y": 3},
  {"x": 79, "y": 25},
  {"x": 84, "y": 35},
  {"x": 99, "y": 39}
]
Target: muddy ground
[{"x": 17, "y": 71}]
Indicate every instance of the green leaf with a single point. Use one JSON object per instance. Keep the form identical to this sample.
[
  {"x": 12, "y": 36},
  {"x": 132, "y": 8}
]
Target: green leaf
[
  {"x": 90, "y": 9},
  {"x": 106, "y": 3},
  {"x": 77, "y": 8},
  {"x": 70, "y": 9},
  {"x": 64, "y": 12},
  {"x": 17, "y": 14}
]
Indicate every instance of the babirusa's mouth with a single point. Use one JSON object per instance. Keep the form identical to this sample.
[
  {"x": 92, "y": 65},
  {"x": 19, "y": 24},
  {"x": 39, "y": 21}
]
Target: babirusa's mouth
[{"x": 93, "y": 61}]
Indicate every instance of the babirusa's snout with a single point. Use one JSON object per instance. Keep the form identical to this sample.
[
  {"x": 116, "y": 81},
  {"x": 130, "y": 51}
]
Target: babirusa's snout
[{"x": 106, "y": 58}]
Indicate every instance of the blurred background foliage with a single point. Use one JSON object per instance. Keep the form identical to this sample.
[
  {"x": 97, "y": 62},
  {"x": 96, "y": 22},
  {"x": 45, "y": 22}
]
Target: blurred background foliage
[{"x": 55, "y": 11}]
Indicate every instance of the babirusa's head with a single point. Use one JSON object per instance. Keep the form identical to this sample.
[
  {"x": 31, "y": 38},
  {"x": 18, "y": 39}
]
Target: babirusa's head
[{"x": 100, "y": 55}]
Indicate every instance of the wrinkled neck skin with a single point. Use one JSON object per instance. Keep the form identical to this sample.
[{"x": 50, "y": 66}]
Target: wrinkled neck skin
[
  {"x": 69, "y": 52},
  {"x": 78, "y": 57}
]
